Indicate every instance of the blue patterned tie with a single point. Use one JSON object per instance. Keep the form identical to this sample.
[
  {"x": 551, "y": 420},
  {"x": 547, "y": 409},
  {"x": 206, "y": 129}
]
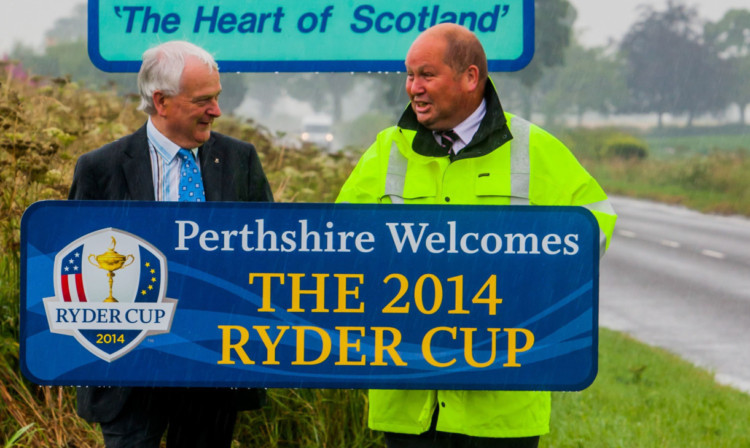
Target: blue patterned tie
[
  {"x": 447, "y": 138},
  {"x": 191, "y": 184}
]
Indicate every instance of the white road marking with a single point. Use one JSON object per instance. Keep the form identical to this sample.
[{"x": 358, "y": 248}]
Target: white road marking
[{"x": 713, "y": 254}]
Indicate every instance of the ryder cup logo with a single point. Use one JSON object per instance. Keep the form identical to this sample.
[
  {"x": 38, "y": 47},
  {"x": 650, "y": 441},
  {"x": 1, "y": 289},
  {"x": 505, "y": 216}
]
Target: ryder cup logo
[{"x": 110, "y": 289}]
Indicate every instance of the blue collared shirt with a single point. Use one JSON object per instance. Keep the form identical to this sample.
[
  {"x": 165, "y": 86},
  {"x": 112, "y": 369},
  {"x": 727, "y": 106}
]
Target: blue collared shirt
[{"x": 165, "y": 165}]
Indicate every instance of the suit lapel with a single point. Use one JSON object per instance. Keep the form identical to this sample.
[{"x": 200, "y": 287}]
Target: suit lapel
[
  {"x": 137, "y": 167},
  {"x": 212, "y": 167}
]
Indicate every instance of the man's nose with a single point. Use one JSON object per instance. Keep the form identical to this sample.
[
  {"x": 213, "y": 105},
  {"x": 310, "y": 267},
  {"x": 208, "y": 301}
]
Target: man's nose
[
  {"x": 414, "y": 87},
  {"x": 214, "y": 110}
]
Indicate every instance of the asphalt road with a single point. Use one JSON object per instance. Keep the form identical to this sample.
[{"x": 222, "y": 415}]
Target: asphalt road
[{"x": 678, "y": 279}]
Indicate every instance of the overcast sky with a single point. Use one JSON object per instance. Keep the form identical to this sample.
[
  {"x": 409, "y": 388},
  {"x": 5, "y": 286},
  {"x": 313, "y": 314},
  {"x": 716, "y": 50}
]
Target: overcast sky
[
  {"x": 601, "y": 20},
  {"x": 598, "y": 20}
]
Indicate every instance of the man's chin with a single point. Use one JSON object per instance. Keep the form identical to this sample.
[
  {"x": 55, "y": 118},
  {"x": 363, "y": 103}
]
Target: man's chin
[
  {"x": 425, "y": 120},
  {"x": 202, "y": 137}
]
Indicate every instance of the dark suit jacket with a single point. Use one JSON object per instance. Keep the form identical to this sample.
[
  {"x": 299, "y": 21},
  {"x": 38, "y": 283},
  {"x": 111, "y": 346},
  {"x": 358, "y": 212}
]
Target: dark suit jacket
[{"x": 121, "y": 170}]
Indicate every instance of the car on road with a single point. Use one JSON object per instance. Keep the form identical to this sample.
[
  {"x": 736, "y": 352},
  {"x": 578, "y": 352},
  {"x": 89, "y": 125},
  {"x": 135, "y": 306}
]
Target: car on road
[{"x": 318, "y": 130}]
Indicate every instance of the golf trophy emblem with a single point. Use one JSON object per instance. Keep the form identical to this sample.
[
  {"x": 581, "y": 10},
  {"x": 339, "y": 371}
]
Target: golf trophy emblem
[{"x": 111, "y": 261}]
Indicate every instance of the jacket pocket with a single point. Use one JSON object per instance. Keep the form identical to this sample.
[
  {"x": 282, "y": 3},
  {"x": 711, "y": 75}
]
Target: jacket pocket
[
  {"x": 488, "y": 185},
  {"x": 411, "y": 191}
]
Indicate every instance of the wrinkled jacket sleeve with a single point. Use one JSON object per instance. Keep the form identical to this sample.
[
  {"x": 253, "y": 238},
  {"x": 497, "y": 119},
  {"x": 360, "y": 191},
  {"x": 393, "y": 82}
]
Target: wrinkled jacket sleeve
[{"x": 559, "y": 179}]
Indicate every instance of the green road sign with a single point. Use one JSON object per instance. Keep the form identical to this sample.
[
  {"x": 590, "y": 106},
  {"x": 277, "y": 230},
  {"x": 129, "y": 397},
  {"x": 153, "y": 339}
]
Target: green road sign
[{"x": 301, "y": 36}]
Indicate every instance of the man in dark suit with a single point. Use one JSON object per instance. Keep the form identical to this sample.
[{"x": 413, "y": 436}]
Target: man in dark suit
[{"x": 179, "y": 86}]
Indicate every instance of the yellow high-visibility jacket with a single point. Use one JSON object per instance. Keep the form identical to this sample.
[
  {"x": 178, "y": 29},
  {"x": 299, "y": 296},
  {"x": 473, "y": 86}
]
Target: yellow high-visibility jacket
[{"x": 531, "y": 168}]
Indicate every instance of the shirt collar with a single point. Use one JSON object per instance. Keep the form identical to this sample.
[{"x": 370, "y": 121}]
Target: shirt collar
[
  {"x": 467, "y": 128},
  {"x": 163, "y": 146}
]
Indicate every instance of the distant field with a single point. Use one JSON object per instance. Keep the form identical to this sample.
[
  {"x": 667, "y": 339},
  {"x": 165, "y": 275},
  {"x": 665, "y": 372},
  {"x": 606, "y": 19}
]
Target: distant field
[
  {"x": 701, "y": 168},
  {"x": 685, "y": 146}
]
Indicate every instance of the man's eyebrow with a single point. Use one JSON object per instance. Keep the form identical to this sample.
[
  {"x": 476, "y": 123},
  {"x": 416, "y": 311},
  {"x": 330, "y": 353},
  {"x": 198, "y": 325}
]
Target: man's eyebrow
[
  {"x": 207, "y": 97},
  {"x": 426, "y": 66}
]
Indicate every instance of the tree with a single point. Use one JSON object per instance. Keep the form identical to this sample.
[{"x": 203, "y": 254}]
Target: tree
[
  {"x": 66, "y": 55},
  {"x": 392, "y": 97},
  {"x": 70, "y": 59},
  {"x": 669, "y": 68},
  {"x": 553, "y": 22},
  {"x": 590, "y": 80},
  {"x": 233, "y": 90},
  {"x": 70, "y": 28},
  {"x": 730, "y": 36},
  {"x": 325, "y": 92}
]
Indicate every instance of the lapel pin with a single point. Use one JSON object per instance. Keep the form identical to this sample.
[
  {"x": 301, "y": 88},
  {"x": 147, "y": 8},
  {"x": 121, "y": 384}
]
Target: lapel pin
[{"x": 216, "y": 160}]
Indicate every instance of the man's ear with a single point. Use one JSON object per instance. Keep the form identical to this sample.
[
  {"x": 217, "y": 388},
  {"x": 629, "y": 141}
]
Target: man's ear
[
  {"x": 471, "y": 78},
  {"x": 160, "y": 102}
]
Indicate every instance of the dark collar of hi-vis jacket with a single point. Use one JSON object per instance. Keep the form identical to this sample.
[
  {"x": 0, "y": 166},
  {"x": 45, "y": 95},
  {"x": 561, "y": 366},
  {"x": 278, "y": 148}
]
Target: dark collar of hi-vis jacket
[{"x": 493, "y": 132}]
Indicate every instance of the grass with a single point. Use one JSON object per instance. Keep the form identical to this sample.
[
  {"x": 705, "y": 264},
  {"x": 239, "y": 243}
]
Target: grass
[
  {"x": 647, "y": 397},
  {"x": 643, "y": 397},
  {"x": 717, "y": 183},
  {"x": 332, "y": 418},
  {"x": 708, "y": 171},
  {"x": 686, "y": 146}
]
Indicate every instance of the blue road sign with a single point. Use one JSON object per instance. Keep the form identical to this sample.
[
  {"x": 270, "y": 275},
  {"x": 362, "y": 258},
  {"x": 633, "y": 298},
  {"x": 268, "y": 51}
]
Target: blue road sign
[{"x": 309, "y": 295}]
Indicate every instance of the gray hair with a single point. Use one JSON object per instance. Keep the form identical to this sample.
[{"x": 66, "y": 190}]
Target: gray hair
[{"x": 162, "y": 70}]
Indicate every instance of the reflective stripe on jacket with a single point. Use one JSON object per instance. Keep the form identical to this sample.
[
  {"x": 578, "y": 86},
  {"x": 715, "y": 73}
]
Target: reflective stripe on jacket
[{"x": 533, "y": 168}]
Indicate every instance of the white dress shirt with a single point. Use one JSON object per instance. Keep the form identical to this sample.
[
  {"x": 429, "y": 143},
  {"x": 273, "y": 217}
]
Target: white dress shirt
[{"x": 466, "y": 129}]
